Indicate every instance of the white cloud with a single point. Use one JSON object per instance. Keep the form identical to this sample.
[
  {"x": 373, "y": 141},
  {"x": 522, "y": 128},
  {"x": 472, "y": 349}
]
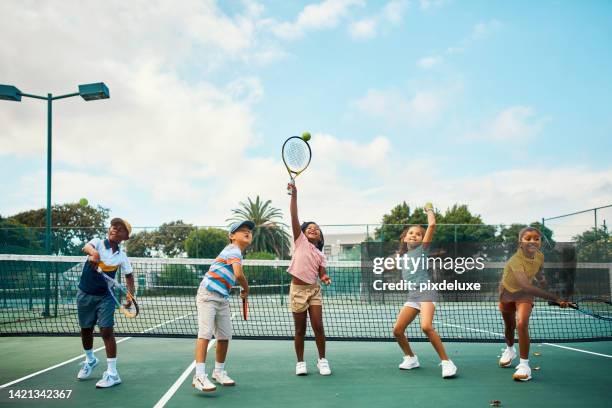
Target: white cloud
[
  {"x": 366, "y": 28},
  {"x": 429, "y": 61},
  {"x": 324, "y": 15},
  {"x": 363, "y": 29},
  {"x": 423, "y": 107},
  {"x": 430, "y": 4},
  {"x": 479, "y": 31},
  {"x": 513, "y": 123}
]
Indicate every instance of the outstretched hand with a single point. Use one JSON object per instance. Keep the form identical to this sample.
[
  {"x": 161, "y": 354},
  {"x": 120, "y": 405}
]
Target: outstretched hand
[{"x": 291, "y": 188}]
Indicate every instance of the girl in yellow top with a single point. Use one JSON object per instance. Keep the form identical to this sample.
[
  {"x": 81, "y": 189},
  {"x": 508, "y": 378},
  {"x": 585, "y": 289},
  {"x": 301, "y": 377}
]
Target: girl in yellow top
[{"x": 516, "y": 298}]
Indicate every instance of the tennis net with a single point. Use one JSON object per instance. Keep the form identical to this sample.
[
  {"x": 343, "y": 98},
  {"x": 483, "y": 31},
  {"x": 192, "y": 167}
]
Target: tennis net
[{"x": 38, "y": 297}]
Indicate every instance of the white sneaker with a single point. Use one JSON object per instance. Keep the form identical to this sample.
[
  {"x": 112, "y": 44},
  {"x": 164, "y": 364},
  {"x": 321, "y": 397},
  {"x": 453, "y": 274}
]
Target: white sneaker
[
  {"x": 448, "y": 369},
  {"x": 522, "y": 373},
  {"x": 409, "y": 363},
  {"x": 86, "y": 369},
  {"x": 323, "y": 366},
  {"x": 202, "y": 383},
  {"x": 108, "y": 380},
  {"x": 507, "y": 356},
  {"x": 222, "y": 378},
  {"x": 300, "y": 368}
]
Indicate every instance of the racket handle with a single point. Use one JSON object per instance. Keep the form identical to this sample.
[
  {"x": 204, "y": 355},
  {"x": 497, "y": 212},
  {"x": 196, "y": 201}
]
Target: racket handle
[{"x": 551, "y": 303}]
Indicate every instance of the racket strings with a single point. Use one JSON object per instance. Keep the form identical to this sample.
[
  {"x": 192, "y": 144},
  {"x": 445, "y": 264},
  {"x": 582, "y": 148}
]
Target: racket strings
[{"x": 296, "y": 155}]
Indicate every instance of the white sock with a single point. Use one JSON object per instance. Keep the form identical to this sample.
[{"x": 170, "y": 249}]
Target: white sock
[
  {"x": 510, "y": 347},
  {"x": 524, "y": 361},
  {"x": 200, "y": 368},
  {"x": 219, "y": 366},
  {"x": 112, "y": 365},
  {"x": 90, "y": 355}
]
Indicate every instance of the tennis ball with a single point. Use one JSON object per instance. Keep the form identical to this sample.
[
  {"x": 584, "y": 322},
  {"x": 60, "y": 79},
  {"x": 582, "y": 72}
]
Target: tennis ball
[
  {"x": 83, "y": 202},
  {"x": 428, "y": 206},
  {"x": 306, "y": 136}
]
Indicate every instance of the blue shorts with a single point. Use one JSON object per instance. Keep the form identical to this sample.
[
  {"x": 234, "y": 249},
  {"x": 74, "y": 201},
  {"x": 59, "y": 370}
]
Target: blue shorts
[{"x": 94, "y": 309}]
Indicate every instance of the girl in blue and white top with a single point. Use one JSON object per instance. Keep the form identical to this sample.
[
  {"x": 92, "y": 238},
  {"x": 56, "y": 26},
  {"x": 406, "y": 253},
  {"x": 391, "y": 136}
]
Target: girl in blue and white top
[{"x": 414, "y": 242}]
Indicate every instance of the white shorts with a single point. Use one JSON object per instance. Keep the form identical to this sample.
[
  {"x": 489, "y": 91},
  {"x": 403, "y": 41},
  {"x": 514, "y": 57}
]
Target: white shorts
[
  {"x": 416, "y": 305},
  {"x": 214, "y": 315}
]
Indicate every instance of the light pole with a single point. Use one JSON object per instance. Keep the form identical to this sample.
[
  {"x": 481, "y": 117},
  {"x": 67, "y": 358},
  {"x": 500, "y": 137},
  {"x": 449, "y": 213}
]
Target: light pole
[{"x": 89, "y": 92}]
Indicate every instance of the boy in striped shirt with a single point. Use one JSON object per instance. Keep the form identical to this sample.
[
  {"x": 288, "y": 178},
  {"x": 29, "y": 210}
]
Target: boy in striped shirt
[{"x": 212, "y": 301}]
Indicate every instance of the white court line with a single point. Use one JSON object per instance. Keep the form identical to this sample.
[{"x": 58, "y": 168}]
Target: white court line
[
  {"x": 53, "y": 367},
  {"x": 547, "y": 344},
  {"x": 172, "y": 390},
  {"x": 81, "y": 355},
  {"x": 580, "y": 350}
]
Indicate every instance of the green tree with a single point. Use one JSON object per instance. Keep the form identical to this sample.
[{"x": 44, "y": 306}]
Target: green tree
[
  {"x": 141, "y": 244},
  {"x": 467, "y": 227},
  {"x": 270, "y": 234},
  {"x": 171, "y": 236},
  {"x": 206, "y": 242},
  {"x": 166, "y": 241},
  {"x": 16, "y": 238},
  {"x": 594, "y": 245},
  {"x": 73, "y": 225},
  {"x": 394, "y": 223}
]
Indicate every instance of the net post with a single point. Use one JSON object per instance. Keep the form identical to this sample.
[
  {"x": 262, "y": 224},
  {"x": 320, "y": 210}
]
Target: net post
[{"x": 46, "y": 312}]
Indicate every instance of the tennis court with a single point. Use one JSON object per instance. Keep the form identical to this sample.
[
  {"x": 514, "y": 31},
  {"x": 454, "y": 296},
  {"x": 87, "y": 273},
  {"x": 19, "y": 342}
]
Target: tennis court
[{"x": 571, "y": 355}]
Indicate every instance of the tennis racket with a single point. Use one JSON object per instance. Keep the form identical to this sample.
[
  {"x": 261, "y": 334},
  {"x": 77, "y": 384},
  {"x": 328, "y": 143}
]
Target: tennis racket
[
  {"x": 245, "y": 308},
  {"x": 296, "y": 156},
  {"x": 130, "y": 307},
  {"x": 598, "y": 308}
]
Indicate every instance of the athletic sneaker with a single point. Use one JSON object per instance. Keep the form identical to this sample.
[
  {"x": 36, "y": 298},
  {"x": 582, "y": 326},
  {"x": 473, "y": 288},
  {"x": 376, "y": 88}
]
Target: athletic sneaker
[
  {"x": 323, "y": 366},
  {"x": 222, "y": 378},
  {"x": 202, "y": 383},
  {"x": 507, "y": 356},
  {"x": 448, "y": 369},
  {"x": 108, "y": 380},
  {"x": 409, "y": 363},
  {"x": 522, "y": 373},
  {"x": 300, "y": 368},
  {"x": 86, "y": 368}
]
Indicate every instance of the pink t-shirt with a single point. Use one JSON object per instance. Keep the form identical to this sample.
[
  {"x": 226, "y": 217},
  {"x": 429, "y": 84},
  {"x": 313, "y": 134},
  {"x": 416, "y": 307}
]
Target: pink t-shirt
[{"x": 306, "y": 260}]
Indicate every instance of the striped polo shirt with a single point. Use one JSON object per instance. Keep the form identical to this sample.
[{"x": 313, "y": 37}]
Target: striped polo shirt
[{"x": 220, "y": 277}]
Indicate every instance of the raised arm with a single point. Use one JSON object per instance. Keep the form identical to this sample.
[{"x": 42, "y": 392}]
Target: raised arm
[
  {"x": 295, "y": 222},
  {"x": 431, "y": 225}
]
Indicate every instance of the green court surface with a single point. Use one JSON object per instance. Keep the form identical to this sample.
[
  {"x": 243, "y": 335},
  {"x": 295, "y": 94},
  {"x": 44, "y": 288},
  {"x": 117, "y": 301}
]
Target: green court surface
[{"x": 365, "y": 374}]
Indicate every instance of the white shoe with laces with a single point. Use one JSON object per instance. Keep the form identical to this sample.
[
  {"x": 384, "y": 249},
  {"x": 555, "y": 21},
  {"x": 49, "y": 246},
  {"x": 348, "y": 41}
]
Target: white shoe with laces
[
  {"x": 202, "y": 383},
  {"x": 222, "y": 378},
  {"x": 300, "y": 368},
  {"x": 448, "y": 369},
  {"x": 86, "y": 368},
  {"x": 507, "y": 356},
  {"x": 409, "y": 363},
  {"x": 522, "y": 373},
  {"x": 323, "y": 366},
  {"x": 108, "y": 380}
]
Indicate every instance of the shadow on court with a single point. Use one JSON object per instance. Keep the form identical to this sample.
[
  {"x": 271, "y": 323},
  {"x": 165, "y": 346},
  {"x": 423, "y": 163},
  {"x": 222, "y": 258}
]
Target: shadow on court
[{"x": 364, "y": 375}]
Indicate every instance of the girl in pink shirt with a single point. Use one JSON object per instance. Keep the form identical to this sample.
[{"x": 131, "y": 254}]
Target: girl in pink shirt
[{"x": 307, "y": 268}]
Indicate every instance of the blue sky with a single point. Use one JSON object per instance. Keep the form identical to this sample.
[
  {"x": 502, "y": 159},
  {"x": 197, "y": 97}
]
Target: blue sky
[{"x": 504, "y": 106}]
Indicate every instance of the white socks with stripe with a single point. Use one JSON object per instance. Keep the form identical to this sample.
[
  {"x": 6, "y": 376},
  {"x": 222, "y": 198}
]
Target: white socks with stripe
[
  {"x": 219, "y": 366},
  {"x": 200, "y": 368}
]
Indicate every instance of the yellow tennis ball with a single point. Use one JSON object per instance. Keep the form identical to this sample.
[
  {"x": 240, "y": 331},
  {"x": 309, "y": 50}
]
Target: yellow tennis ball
[
  {"x": 306, "y": 136},
  {"x": 83, "y": 202},
  {"x": 428, "y": 206}
]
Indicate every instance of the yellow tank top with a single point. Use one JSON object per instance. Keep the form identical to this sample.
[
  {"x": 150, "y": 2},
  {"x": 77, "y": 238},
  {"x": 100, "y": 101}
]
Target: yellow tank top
[{"x": 519, "y": 263}]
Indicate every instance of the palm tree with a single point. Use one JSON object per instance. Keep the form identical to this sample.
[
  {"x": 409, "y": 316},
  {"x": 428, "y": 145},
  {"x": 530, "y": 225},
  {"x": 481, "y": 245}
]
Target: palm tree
[{"x": 270, "y": 235}]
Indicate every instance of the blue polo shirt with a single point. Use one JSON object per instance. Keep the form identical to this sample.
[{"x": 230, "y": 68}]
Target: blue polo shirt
[{"x": 91, "y": 282}]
